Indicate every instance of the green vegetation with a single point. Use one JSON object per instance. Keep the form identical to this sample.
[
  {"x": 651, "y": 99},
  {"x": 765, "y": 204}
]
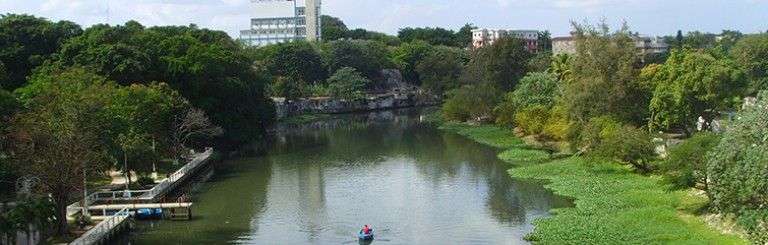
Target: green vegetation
[
  {"x": 471, "y": 102},
  {"x": 26, "y": 42},
  {"x": 686, "y": 165},
  {"x": 737, "y": 170},
  {"x": 347, "y": 83},
  {"x": 689, "y": 84},
  {"x": 612, "y": 204},
  {"x": 614, "y": 108},
  {"x": 751, "y": 53},
  {"x": 440, "y": 70}
]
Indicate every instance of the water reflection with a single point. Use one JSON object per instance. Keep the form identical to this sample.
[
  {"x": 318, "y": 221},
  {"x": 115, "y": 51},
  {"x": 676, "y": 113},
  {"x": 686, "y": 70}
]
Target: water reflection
[{"x": 320, "y": 182}]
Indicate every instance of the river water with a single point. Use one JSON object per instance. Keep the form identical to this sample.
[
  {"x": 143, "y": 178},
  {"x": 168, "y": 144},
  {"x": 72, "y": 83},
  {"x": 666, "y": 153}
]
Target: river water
[{"x": 319, "y": 183}]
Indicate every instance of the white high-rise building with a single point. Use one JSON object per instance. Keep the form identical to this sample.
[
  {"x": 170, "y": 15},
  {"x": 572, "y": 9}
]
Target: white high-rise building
[{"x": 305, "y": 24}]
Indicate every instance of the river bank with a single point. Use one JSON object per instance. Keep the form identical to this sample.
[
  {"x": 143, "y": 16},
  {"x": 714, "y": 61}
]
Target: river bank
[
  {"x": 422, "y": 186},
  {"x": 612, "y": 204}
]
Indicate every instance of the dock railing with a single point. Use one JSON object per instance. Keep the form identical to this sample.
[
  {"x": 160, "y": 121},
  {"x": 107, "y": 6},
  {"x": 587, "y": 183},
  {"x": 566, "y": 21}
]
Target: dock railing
[
  {"x": 144, "y": 195},
  {"x": 103, "y": 229}
]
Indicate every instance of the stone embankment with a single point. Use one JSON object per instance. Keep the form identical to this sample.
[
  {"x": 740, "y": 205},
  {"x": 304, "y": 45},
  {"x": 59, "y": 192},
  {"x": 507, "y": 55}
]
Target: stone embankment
[{"x": 325, "y": 105}]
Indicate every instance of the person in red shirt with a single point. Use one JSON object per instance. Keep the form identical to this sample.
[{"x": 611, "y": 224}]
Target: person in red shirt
[{"x": 366, "y": 230}]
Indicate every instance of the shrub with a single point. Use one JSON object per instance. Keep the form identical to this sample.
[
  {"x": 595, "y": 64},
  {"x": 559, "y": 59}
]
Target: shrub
[
  {"x": 737, "y": 168},
  {"x": 532, "y": 120},
  {"x": 607, "y": 138},
  {"x": 557, "y": 124},
  {"x": 591, "y": 134},
  {"x": 347, "y": 84},
  {"x": 629, "y": 145},
  {"x": 686, "y": 164},
  {"x": 472, "y": 102},
  {"x": 286, "y": 87},
  {"x": 536, "y": 88}
]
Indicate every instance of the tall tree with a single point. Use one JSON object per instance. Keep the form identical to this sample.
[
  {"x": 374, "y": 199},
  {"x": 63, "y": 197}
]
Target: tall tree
[
  {"x": 751, "y": 53},
  {"x": 679, "y": 39},
  {"x": 689, "y": 84},
  {"x": 545, "y": 41},
  {"x": 59, "y": 139},
  {"x": 463, "y": 37},
  {"x": 434, "y": 36},
  {"x": 367, "y": 57},
  {"x": 207, "y": 67},
  {"x": 440, "y": 70},
  {"x": 406, "y": 57},
  {"x": 502, "y": 64},
  {"x": 296, "y": 60},
  {"x": 333, "y": 28},
  {"x": 603, "y": 75},
  {"x": 26, "y": 41}
]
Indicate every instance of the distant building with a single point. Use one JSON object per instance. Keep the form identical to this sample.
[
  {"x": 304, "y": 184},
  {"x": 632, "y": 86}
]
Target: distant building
[
  {"x": 644, "y": 45},
  {"x": 303, "y": 25},
  {"x": 563, "y": 45},
  {"x": 483, "y": 37}
]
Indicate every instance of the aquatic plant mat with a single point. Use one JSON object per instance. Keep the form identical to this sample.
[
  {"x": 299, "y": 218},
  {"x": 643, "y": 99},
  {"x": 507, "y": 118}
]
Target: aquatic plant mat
[{"x": 613, "y": 205}]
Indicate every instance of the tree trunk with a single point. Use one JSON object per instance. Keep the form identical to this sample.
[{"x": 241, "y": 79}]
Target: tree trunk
[
  {"x": 127, "y": 171},
  {"x": 61, "y": 216}
]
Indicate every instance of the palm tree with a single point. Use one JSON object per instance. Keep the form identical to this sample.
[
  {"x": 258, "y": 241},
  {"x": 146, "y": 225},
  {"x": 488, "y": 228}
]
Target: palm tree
[{"x": 561, "y": 66}]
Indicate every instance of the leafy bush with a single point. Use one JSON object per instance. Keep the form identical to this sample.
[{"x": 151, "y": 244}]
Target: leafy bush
[
  {"x": 557, "y": 124},
  {"x": 532, "y": 120},
  {"x": 628, "y": 144},
  {"x": 471, "y": 102},
  {"x": 591, "y": 134},
  {"x": 607, "y": 138},
  {"x": 737, "y": 167},
  {"x": 286, "y": 87},
  {"x": 535, "y": 89},
  {"x": 347, "y": 84},
  {"x": 686, "y": 164}
]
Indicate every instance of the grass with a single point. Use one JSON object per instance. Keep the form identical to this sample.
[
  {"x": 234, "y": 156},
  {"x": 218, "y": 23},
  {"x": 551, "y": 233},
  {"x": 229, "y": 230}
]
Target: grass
[{"x": 613, "y": 205}]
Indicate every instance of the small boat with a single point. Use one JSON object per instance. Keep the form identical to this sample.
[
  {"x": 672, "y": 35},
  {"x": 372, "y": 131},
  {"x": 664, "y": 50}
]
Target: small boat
[{"x": 362, "y": 236}]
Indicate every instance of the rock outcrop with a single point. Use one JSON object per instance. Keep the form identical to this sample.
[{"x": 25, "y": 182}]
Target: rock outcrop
[{"x": 325, "y": 105}]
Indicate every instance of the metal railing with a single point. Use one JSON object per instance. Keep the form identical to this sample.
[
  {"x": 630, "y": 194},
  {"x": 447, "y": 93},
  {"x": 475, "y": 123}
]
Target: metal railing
[
  {"x": 102, "y": 229},
  {"x": 165, "y": 184},
  {"x": 144, "y": 195}
]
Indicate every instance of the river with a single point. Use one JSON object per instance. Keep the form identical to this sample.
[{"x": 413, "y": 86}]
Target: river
[{"x": 319, "y": 183}]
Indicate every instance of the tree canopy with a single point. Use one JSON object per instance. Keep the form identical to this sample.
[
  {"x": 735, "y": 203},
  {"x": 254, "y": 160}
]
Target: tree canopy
[
  {"x": 333, "y": 28},
  {"x": 602, "y": 75},
  {"x": 751, "y": 53},
  {"x": 689, "y": 84},
  {"x": 207, "y": 67},
  {"x": 26, "y": 42},
  {"x": 502, "y": 64},
  {"x": 367, "y": 57}
]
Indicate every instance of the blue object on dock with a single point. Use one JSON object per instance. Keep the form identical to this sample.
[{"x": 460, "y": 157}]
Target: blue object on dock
[
  {"x": 362, "y": 236},
  {"x": 149, "y": 213}
]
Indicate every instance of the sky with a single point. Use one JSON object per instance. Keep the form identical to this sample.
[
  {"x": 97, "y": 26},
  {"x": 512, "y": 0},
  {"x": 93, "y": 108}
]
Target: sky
[{"x": 649, "y": 17}]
